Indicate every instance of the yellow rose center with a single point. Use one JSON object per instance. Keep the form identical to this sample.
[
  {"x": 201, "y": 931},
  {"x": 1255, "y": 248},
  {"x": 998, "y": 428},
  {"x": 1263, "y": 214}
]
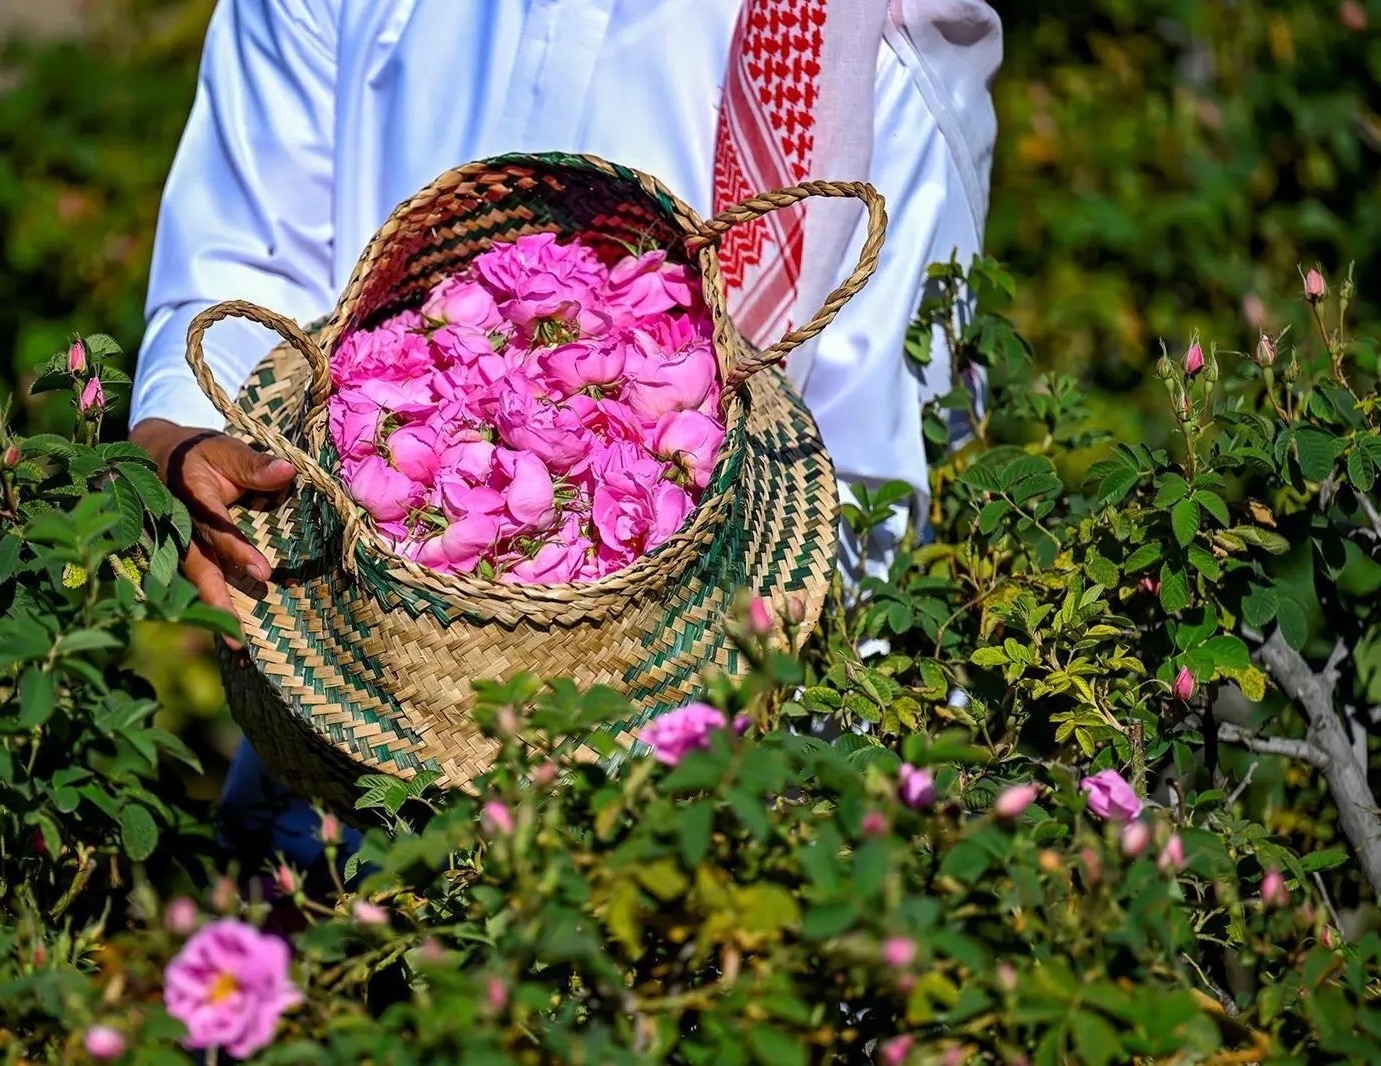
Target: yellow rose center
[{"x": 223, "y": 987}]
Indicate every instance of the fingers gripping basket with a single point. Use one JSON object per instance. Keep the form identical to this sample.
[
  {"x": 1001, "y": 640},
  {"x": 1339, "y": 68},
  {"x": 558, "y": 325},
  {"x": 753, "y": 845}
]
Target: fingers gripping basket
[{"x": 359, "y": 661}]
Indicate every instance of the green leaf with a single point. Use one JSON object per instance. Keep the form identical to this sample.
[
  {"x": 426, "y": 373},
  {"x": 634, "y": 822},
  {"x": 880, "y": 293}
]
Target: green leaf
[
  {"x": 37, "y": 697},
  {"x": 827, "y": 920},
  {"x": 130, "y": 526},
  {"x": 1293, "y": 622},
  {"x": 966, "y": 862},
  {"x": 697, "y": 821},
  {"x": 1184, "y": 519},
  {"x": 138, "y": 832},
  {"x": 772, "y": 1047},
  {"x": 1096, "y": 1040},
  {"x": 151, "y": 490},
  {"x": 1262, "y": 538},
  {"x": 1228, "y": 653},
  {"x": 1203, "y": 561},
  {"x": 1117, "y": 484},
  {"x": 1174, "y": 590},
  {"x": 1213, "y": 504},
  {"x": 83, "y": 640},
  {"x": 66, "y": 799},
  {"x": 1360, "y": 470},
  {"x": 1143, "y": 557},
  {"x": 9, "y": 556},
  {"x": 991, "y": 656},
  {"x": 1169, "y": 489},
  {"x": 992, "y": 514},
  {"x": 1316, "y": 452}
]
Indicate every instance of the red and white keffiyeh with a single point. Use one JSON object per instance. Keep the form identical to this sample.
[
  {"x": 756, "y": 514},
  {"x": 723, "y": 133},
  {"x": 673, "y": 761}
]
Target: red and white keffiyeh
[{"x": 797, "y": 105}]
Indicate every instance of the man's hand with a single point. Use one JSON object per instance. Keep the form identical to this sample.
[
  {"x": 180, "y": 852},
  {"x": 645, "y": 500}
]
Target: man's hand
[{"x": 208, "y": 471}]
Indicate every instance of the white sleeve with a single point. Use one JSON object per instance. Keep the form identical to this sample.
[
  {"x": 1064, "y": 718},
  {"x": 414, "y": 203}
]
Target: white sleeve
[{"x": 247, "y": 209}]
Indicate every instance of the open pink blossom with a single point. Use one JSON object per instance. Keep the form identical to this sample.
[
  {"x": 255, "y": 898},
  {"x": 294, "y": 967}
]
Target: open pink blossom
[
  {"x": 534, "y": 277},
  {"x": 674, "y": 332},
  {"x": 691, "y": 441},
  {"x": 412, "y": 397},
  {"x": 229, "y": 986},
  {"x": 607, "y": 420},
  {"x": 678, "y": 381},
  {"x": 555, "y": 563},
  {"x": 1111, "y": 797},
  {"x": 457, "y": 345},
  {"x": 458, "y": 301},
  {"x": 389, "y": 353},
  {"x": 527, "y": 489},
  {"x": 585, "y": 364},
  {"x": 550, "y": 431},
  {"x": 647, "y": 284},
  {"x": 460, "y": 547},
  {"x": 384, "y": 492},
  {"x": 354, "y": 420},
  {"x": 672, "y": 736},
  {"x": 634, "y": 519}
]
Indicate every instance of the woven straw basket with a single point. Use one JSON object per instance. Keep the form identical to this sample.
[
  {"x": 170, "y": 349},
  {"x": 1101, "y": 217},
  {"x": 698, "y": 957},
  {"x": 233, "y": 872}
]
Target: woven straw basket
[{"x": 359, "y": 661}]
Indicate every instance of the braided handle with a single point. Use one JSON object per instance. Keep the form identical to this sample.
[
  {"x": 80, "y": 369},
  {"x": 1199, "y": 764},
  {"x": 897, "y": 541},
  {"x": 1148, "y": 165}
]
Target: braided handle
[
  {"x": 714, "y": 228},
  {"x": 272, "y": 441}
]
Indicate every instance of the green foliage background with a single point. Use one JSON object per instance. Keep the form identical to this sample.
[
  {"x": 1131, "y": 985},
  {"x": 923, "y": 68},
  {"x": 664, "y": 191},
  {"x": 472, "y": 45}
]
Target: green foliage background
[{"x": 1162, "y": 167}]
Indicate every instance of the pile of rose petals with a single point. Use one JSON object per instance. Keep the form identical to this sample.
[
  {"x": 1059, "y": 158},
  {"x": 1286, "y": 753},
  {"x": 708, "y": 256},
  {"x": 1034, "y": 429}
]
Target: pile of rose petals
[{"x": 544, "y": 418}]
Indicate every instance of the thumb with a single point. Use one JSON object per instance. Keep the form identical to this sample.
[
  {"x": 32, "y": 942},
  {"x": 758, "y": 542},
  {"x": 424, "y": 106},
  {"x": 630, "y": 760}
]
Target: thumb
[{"x": 250, "y": 469}]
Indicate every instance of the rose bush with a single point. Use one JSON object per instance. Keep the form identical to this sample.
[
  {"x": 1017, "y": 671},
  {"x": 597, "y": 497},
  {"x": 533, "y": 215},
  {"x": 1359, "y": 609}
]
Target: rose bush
[{"x": 1065, "y": 820}]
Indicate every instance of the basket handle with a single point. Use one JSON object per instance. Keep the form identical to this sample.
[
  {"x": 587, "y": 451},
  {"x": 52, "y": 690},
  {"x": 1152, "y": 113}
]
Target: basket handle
[
  {"x": 274, "y": 442},
  {"x": 712, "y": 229}
]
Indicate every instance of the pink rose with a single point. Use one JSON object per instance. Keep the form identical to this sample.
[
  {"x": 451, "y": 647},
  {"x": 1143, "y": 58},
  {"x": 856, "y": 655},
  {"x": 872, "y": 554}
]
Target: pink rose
[
  {"x": 670, "y": 381},
  {"x": 384, "y": 492},
  {"x": 647, "y": 284},
  {"x": 368, "y": 914},
  {"x": 496, "y": 818},
  {"x": 458, "y": 301},
  {"x": 691, "y": 441},
  {"x": 1013, "y": 801},
  {"x": 462, "y": 545},
  {"x": 1135, "y": 838},
  {"x": 634, "y": 519},
  {"x": 534, "y": 277},
  {"x": 415, "y": 450},
  {"x": 463, "y": 345},
  {"x": 405, "y": 396},
  {"x": 1172, "y": 855},
  {"x": 229, "y": 986},
  {"x": 608, "y": 420},
  {"x": 103, "y": 1043},
  {"x": 579, "y": 365},
  {"x": 673, "y": 333},
  {"x": 899, "y": 952},
  {"x": 528, "y": 492},
  {"x": 389, "y": 353},
  {"x": 893, "y": 1051},
  {"x": 181, "y": 916},
  {"x": 1273, "y": 890},
  {"x": 353, "y": 421},
  {"x": 1182, "y": 688},
  {"x": 1110, "y": 797},
  {"x": 675, "y": 734},
  {"x": 458, "y": 498},
  {"x": 551, "y": 431},
  {"x": 556, "y": 563}
]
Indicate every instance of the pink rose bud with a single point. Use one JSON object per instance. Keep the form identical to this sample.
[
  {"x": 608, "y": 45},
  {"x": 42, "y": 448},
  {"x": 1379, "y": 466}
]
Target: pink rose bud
[
  {"x": 1093, "y": 866},
  {"x": 76, "y": 357},
  {"x": 224, "y": 895},
  {"x": 1265, "y": 351},
  {"x": 1015, "y": 800},
  {"x": 1149, "y": 585},
  {"x": 12, "y": 455},
  {"x": 742, "y": 723},
  {"x": 1329, "y": 938},
  {"x": 915, "y": 787},
  {"x": 104, "y": 1044},
  {"x": 1273, "y": 890},
  {"x": 545, "y": 774},
  {"x": 366, "y": 913},
  {"x": 286, "y": 880},
  {"x": 182, "y": 916},
  {"x": 496, "y": 818},
  {"x": 1314, "y": 286},
  {"x": 1193, "y": 359},
  {"x": 759, "y": 616},
  {"x": 1182, "y": 688},
  {"x": 874, "y": 824},
  {"x": 1135, "y": 838},
  {"x": 330, "y": 829},
  {"x": 796, "y": 610},
  {"x": 1352, "y": 15},
  {"x": 893, "y": 1052},
  {"x": 497, "y": 994},
  {"x": 1111, "y": 797},
  {"x": 1172, "y": 855},
  {"x": 898, "y": 951},
  {"x": 92, "y": 397},
  {"x": 1007, "y": 976}
]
